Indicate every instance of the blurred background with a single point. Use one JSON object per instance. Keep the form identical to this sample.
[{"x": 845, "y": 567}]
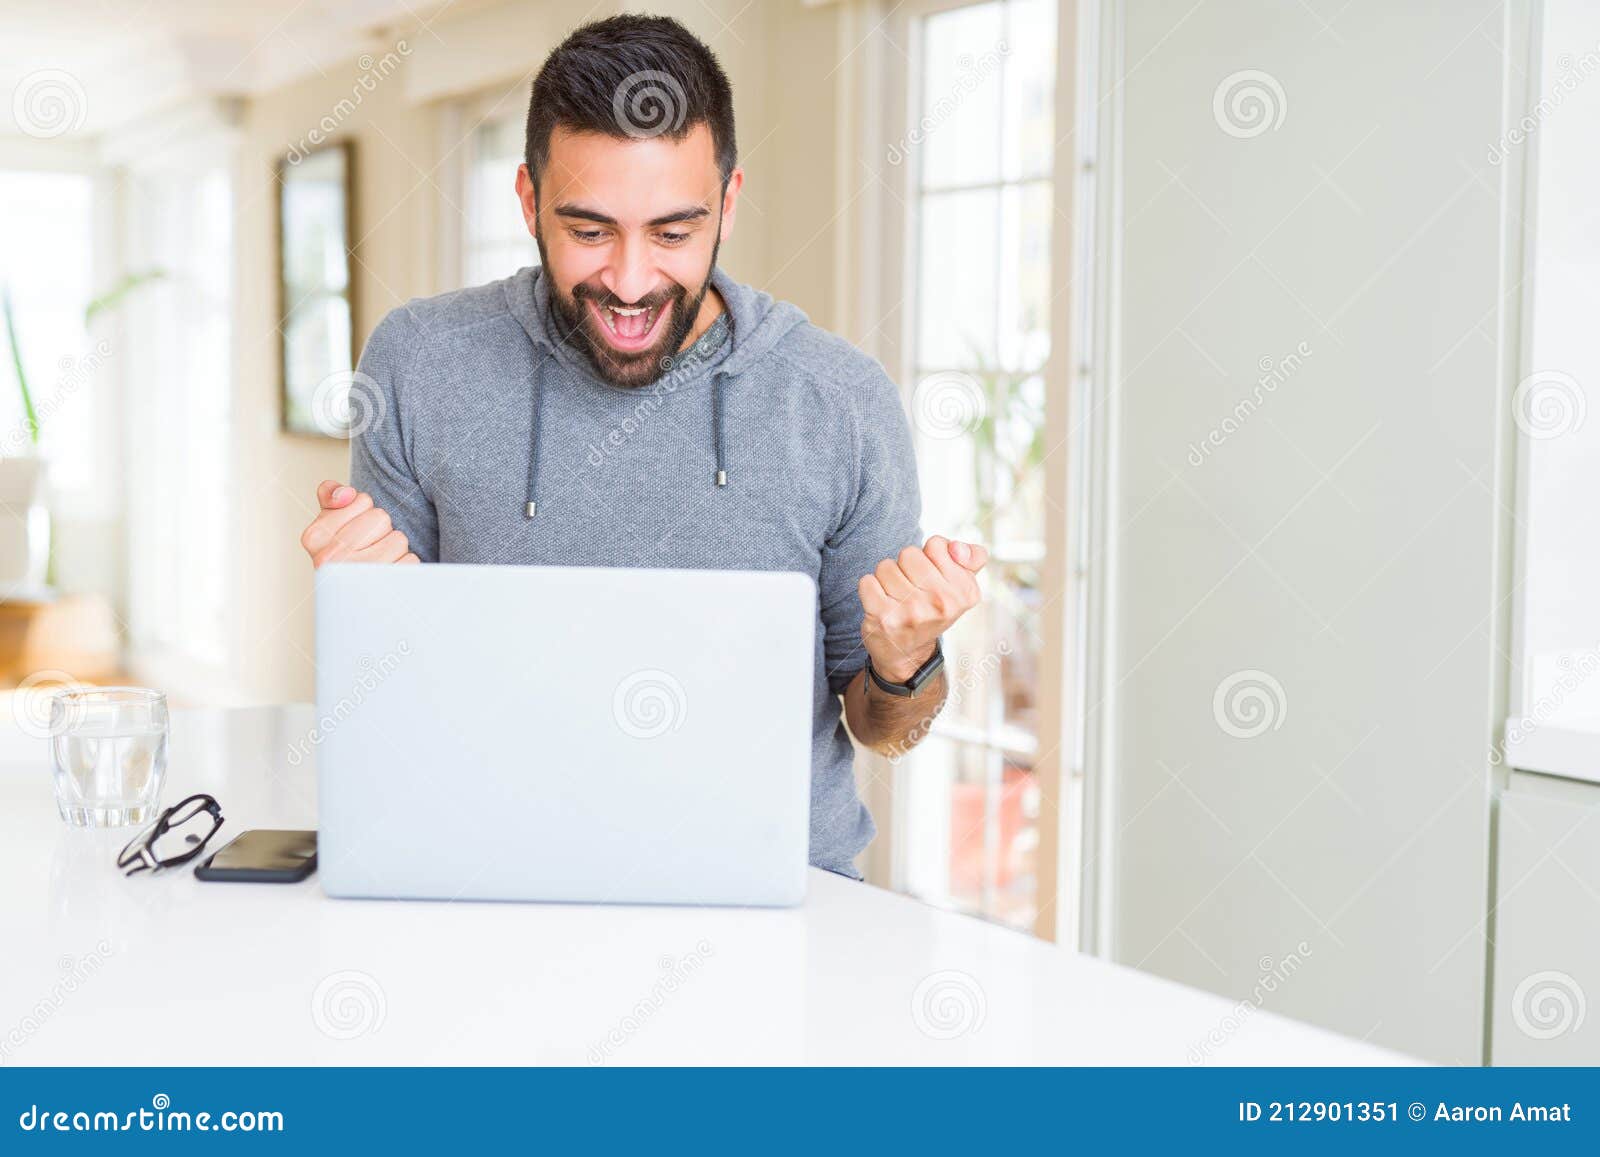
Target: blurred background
[{"x": 1254, "y": 338}]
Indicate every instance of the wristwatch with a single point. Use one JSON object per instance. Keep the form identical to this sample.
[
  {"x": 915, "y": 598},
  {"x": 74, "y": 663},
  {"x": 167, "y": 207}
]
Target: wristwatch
[{"x": 919, "y": 677}]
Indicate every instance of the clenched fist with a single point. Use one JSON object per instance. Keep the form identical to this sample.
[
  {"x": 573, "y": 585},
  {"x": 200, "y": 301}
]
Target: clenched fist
[
  {"x": 348, "y": 528},
  {"x": 913, "y": 599}
]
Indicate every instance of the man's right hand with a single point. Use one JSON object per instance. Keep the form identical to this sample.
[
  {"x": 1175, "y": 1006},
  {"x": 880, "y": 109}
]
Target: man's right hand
[{"x": 349, "y": 528}]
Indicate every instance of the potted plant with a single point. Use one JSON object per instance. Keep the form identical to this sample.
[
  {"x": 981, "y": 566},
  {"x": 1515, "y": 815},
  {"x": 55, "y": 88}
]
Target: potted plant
[
  {"x": 24, "y": 520},
  {"x": 25, "y": 558}
]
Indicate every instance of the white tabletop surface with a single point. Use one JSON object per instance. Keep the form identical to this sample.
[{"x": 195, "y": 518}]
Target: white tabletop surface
[{"x": 98, "y": 969}]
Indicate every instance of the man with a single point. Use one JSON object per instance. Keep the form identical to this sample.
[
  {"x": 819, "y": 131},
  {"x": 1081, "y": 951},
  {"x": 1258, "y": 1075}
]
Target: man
[{"x": 629, "y": 404}]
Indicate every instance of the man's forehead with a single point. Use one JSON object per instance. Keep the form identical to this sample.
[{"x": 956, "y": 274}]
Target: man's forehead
[{"x": 628, "y": 171}]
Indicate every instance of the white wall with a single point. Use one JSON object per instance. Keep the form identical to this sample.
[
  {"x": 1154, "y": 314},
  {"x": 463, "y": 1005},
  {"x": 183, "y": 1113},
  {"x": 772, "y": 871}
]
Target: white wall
[{"x": 1339, "y": 560}]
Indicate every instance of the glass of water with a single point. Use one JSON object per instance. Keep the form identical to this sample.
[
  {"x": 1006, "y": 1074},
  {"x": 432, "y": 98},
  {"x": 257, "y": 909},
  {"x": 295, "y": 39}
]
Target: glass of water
[{"x": 109, "y": 748}]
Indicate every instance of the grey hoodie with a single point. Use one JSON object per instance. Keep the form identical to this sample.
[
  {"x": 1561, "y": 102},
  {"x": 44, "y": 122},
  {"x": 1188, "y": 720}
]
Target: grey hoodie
[{"x": 769, "y": 445}]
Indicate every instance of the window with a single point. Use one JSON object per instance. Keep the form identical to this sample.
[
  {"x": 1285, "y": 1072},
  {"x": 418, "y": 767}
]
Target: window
[
  {"x": 1555, "y": 696},
  {"x": 488, "y": 237},
  {"x": 979, "y": 153},
  {"x": 45, "y": 263},
  {"x": 179, "y": 350}
]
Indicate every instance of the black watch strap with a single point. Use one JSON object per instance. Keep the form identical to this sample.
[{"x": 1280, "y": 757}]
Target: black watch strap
[{"x": 918, "y": 679}]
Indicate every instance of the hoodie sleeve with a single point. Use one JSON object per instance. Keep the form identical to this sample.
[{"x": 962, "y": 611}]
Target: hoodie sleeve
[
  {"x": 380, "y": 461},
  {"x": 882, "y": 516}
]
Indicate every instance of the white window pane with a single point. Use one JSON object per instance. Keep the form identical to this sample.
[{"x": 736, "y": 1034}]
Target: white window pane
[
  {"x": 953, "y": 126},
  {"x": 1018, "y": 448},
  {"x": 495, "y": 241},
  {"x": 947, "y": 459},
  {"x": 974, "y": 669},
  {"x": 45, "y": 262},
  {"x": 1024, "y": 277},
  {"x": 180, "y": 346},
  {"x": 957, "y": 264},
  {"x": 1556, "y": 408},
  {"x": 1029, "y": 89},
  {"x": 974, "y": 839}
]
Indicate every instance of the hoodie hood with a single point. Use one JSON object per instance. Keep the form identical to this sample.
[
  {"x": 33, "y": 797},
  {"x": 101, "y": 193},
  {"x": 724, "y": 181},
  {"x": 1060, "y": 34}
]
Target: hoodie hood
[{"x": 756, "y": 323}]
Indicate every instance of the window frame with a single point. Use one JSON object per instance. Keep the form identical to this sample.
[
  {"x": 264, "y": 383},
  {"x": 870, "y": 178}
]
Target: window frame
[{"x": 887, "y": 79}]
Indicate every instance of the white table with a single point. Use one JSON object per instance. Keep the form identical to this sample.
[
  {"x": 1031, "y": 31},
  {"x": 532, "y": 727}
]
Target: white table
[{"x": 98, "y": 969}]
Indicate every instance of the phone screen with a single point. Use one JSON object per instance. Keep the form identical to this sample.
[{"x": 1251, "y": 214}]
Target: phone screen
[{"x": 265, "y": 849}]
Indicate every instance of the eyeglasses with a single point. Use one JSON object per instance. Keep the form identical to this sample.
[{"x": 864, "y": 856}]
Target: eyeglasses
[{"x": 175, "y": 836}]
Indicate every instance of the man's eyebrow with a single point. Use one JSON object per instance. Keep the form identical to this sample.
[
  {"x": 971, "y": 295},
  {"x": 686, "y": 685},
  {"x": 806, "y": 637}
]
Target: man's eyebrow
[{"x": 691, "y": 213}]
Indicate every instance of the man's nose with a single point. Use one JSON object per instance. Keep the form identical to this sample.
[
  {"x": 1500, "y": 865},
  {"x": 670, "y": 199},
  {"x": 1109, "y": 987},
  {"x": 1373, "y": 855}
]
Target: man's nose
[{"x": 633, "y": 274}]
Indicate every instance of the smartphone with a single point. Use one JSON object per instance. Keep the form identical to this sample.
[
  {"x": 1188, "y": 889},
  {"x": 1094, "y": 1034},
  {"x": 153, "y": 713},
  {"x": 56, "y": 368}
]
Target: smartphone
[{"x": 263, "y": 856}]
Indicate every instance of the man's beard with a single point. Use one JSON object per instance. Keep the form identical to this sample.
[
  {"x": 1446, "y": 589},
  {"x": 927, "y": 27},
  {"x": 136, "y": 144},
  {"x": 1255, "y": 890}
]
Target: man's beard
[{"x": 628, "y": 369}]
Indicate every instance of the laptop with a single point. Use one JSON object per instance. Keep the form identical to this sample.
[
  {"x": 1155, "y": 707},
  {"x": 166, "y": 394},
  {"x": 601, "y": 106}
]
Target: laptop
[{"x": 595, "y": 735}]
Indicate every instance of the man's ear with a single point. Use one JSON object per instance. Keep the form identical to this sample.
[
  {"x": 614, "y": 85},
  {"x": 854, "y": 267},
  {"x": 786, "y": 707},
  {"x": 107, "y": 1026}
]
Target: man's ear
[
  {"x": 528, "y": 194},
  {"x": 730, "y": 201}
]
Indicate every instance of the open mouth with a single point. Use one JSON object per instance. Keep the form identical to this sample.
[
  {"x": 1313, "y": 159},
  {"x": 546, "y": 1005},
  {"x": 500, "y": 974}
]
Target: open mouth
[{"x": 630, "y": 328}]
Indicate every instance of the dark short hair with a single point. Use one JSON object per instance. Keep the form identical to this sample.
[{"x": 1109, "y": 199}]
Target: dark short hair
[{"x": 631, "y": 76}]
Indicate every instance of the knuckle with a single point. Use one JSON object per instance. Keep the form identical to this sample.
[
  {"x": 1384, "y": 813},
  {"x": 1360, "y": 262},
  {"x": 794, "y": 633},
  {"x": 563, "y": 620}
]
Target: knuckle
[{"x": 909, "y": 555}]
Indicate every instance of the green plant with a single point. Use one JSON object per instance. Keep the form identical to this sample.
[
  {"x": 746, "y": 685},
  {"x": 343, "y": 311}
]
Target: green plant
[
  {"x": 106, "y": 301},
  {"x": 16, "y": 363},
  {"x": 1007, "y": 410},
  {"x": 119, "y": 292}
]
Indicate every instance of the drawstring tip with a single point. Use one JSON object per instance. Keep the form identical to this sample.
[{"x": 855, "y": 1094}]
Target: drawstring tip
[
  {"x": 722, "y": 477},
  {"x": 532, "y": 509}
]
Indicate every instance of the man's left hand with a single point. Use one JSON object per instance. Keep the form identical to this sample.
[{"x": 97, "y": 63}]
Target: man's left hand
[{"x": 914, "y": 598}]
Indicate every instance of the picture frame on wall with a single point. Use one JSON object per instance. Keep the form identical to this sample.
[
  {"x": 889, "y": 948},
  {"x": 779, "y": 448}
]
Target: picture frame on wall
[{"x": 316, "y": 291}]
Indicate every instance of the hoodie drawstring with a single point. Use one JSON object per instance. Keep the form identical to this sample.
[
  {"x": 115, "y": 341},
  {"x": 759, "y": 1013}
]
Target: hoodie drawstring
[
  {"x": 721, "y": 476},
  {"x": 533, "y": 452},
  {"x": 716, "y": 428}
]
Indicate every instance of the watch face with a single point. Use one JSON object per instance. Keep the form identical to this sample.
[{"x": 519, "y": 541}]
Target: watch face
[
  {"x": 914, "y": 684},
  {"x": 929, "y": 669}
]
